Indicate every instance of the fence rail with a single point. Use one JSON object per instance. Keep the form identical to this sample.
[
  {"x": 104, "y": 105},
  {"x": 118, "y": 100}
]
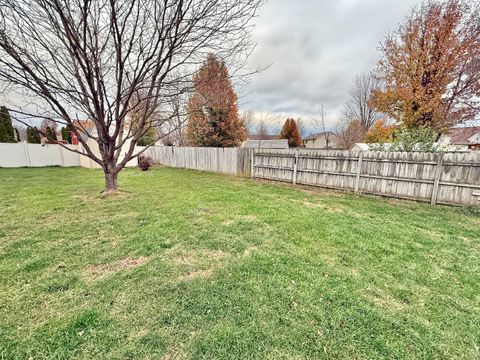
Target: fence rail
[{"x": 450, "y": 178}]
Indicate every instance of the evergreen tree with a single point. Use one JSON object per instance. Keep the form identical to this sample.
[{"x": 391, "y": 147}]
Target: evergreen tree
[
  {"x": 33, "y": 136},
  {"x": 66, "y": 134},
  {"x": 7, "y": 132},
  {"x": 213, "y": 113},
  {"x": 17, "y": 135},
  {"x": 290, "y": 132},
  {"x": 148, "y": 138},
  {"x": 51, "y": 134}
]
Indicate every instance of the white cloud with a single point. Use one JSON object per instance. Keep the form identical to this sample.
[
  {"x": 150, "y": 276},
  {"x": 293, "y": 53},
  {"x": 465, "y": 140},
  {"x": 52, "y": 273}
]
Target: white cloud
[{"x": 315, "y": 48}]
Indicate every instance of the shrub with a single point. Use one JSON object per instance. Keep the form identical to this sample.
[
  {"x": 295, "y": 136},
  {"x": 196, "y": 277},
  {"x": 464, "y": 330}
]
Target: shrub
[
  {"x": 144, "y": 162},
  {"x": 33, "y": 136},
  {"x": 421, "y": 139}
]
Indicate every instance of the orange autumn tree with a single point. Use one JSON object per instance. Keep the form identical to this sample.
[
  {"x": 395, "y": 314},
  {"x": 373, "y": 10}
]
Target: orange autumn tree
[
  {"x": 430, "y": 67},
  {"x": 380, "y": 133},
  {"x": 213, "y": 118},
  {"x": 290, "y": 132}
]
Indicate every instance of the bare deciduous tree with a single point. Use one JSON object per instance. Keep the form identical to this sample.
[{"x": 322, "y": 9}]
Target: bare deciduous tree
[
  {"x": 267, "y": 124},
  {"x": 85, "y": 59},
  {"x": 248, "y": 118},
  {"x": 349, "y": 133},
  {"x": 358, "y": 107},
  {"x": 320, "y": 124},
  {"x": 302, "y": 128}
]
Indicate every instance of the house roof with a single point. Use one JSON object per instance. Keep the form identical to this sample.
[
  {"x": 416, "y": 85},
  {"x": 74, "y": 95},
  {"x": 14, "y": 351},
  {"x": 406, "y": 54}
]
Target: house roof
[
  {"x": 317, "y": 135},
  {"x": 262, "y": 137},
  {"x": 461, "y": 135},
  {"x": 266, "y": 144},
  {"x": 84, "y": 124}
]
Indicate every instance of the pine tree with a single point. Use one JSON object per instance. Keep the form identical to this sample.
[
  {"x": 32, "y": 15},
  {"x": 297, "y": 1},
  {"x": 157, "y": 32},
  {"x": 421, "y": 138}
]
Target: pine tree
[
  {"x": 51, "y": 134},
  {"x": 17, "y": 135},
  {"x": 213, "y": 113},
  {"x": 66, "y": 134},
  {"x": 7, "y": 132},
  {"x": 148, "y": 138},
  {"x": 290, "y": 132},
  {"x": 33, "y": 136}
]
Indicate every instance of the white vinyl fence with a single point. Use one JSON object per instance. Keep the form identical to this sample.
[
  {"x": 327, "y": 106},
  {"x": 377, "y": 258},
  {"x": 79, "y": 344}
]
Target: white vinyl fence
[
  {"x": 33, "y": 155},
  {"x": 38, "y": 155}
]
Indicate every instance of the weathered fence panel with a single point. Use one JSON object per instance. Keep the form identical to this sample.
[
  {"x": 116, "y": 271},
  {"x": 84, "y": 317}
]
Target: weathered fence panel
[
  {"x": 231, "y": 161},
  {"x": 452, "y": 178}
]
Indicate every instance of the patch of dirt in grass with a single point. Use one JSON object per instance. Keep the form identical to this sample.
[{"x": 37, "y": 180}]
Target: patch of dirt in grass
[
  {"x": 194, "y": 263},
  {"x": 174, "y": 355},
  {"x": 432, "y": 233},
  {"x": 206, "y": 211},
  {"x": 184, "y": 260},
  {"x": 87, "y": 198},
  {"x": 128, "y": 215},
  {"x": 383, "y": 299},
  {"x": 249, "y": 250},
  {"x": 321, "y": 191},
  {"x": 129, "y": 262},
  {"x": 247, "y": 218},
  {"x": 312, "y": 190},
  {"x": 195, "y": 274},
  {"x": 101, "y": 270},
  {"x": 214, "y": 254},
  {"x": 322, "y": 206}
]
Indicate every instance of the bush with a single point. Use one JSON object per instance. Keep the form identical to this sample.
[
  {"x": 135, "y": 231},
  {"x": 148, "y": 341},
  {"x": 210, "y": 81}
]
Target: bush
[
  {"x": 33, "y": 136},
  {"x": 421, "y": 139},
  {"x": 144, "y": 162}
]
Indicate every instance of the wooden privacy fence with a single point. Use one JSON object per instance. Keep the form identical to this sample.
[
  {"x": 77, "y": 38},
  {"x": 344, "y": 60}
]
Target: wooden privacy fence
[
  {"x": 450, "y": 178},
  {"x": 231, "y": 161}
]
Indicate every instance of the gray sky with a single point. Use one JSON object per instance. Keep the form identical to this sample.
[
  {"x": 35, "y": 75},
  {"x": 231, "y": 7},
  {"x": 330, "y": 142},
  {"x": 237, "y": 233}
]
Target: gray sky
[{"x": 315, "y": 48}]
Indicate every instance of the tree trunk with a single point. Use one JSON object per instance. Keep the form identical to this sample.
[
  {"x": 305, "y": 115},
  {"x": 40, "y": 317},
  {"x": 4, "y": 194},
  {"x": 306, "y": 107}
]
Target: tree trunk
[{"x": 111, "y": 184}]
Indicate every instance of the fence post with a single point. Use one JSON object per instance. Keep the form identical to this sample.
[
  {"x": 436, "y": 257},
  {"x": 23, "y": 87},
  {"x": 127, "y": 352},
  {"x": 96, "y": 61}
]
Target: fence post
[
  {"x": 295, "y": 166},
  {"x": 27, "y": 155},
  {"x": 359, "y": 171},
  {"x": 438, "y": 175},
  {"x": 62, "y": 161},
  {"x": 252, "y": 167}
]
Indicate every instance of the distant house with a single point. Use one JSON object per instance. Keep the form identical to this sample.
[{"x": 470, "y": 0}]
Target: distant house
[
  {"x": 88, "y": 132},
  {"x": 319, "y": 141},
  {"x": 263, "y": 141},
  {"x": 262, "y": 137},
  {"x": 266, "y": 144},
  {"x": 85, "y": 129},
  {"x": 462, "y": 138}
]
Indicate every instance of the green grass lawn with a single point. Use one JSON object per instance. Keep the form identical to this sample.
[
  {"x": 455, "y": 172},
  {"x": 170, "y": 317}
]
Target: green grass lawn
[{"x": 193, "y": 265}]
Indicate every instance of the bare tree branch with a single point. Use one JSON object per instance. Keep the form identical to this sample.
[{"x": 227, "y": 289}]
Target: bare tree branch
[{"x": 88, "y": 59}]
